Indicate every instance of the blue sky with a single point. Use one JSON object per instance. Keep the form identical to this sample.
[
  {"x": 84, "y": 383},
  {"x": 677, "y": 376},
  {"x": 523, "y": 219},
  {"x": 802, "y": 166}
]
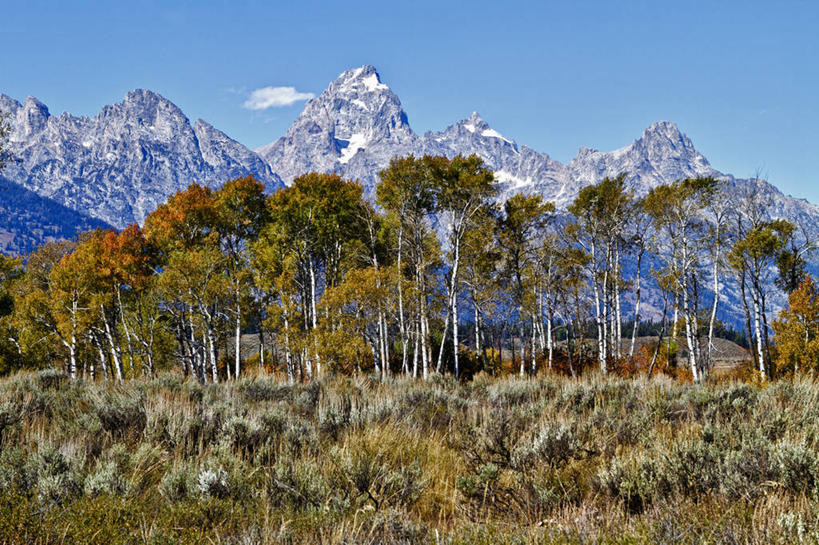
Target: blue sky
[{"x": 740, "y": 78}]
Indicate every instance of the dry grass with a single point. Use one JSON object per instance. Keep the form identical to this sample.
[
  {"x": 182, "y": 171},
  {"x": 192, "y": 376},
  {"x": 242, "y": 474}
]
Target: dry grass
[{"x": 549, "y": 460}]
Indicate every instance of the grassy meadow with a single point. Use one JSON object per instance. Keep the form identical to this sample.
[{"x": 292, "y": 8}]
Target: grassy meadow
[{"x": 351, "y": 460}]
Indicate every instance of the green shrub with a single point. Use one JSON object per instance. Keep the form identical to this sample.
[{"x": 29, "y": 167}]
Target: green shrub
[
  {"x": 636, "y": 479},
  {"x": 797, "y": 467},
  {"x": 212, "y": 483},
  {"x": 52, "y": 378},
  {"x": 554, "y": 444},
  {"x": 177, "y": 483},
  {"x": 106, "y": 479},
  {"x": 121, "y": 412}
]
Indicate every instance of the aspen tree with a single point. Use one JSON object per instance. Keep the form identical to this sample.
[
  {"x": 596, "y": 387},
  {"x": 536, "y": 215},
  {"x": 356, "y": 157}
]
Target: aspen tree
[{"x": 520, "y": 231}]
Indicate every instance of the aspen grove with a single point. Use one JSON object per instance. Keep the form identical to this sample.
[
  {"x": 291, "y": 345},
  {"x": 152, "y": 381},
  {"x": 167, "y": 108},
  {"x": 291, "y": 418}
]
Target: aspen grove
[{"x": 438, "y": 275}]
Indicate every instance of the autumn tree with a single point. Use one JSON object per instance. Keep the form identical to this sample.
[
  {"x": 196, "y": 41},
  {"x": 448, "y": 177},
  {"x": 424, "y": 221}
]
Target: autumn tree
[
  {"x": 55, "y": 301},
  {"x": 319, "y": 217},
  {"x": 797, "y": 329},
  {"x": 241, "y": 213},
  {"x": 463, "y": 188},
  {"x": 132, "y": 261},
  {"x": 755, "y": 255},
  {"x": 677, "y": 210},
  {"x": 191, "y": 275},
  {"x": 407, "y": 192},
  {"x": 481, "y": 256},
  {"x": 520, "y": 230},
  {"x": 11, "y": 270},
  {"x": 274, "y": 266},
  {"x": 33, "y": 325},
  {"x": 357, "y": 304},
  {"x": 376, "y": 244},
  {"x": 601, "y": 213}
]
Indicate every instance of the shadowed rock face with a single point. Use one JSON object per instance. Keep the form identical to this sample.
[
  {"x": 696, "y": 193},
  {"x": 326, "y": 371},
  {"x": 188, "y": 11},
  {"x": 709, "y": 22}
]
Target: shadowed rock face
[{"x": 119, "y": 165}]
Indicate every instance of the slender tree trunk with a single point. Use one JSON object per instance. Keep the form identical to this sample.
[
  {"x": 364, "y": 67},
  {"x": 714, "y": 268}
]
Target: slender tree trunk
[
  {"x": 314, "y": 315},
  {"x": 455, "y": 334},
  {"x": 425, "y": 356},
  {"x": 288, "y": 356},
  {"x": 636, "y": 323},
  {"x": 109, "y": 335},
  {"x": 765, "y": 328},
  {"x": 570, "y": 346},
  {"x": 126, "y": 330},
  {"x": 439, "y": 367},
  {"x": 534, "y": 347},
  {"x": 453, "y": 301},
  {"x": 212, "y": 353},
  {"x": 261, "y": 344},
  {"x": 712, "y": 320},
  {"x": 748, "y": 333},
  {"x": 550, "y": 342},
  {"x": 401, "y": 325},
  {"x": 674, "y": 324},
  {"x": 758, "y": 331},
  {"x": 689, "y": 334},
  {"x": 601, "y": 317},
  {"x": 417, "y": 347},
  {"x": 237, "y": 327}
]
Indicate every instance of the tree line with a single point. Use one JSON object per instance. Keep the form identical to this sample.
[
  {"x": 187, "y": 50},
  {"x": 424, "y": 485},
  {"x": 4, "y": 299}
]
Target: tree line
[{"x": 439, "y": 275}]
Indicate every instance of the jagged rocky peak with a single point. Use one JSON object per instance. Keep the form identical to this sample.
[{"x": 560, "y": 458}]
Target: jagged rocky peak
[
  {"x": 8, "y": 105},
  {"x": 474, "y": 123},
  {"x": 120, "y": 164},
  {"x": 358, "y": 103},
  {"x": 148, "y": 111},
  {"x": 32, "y": 117},
  {"x": 357, "y": 114},
  {"x": 474, "y": 126},
  {"x": 666, "y": 135},
  {"x": 660, "y": 155},
  {"x": 145, "y": 100},
  {"x": 361, "y": 79}
]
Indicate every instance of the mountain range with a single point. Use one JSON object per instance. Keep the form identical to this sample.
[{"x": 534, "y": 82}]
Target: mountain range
[{"x": 115, "y": 168}]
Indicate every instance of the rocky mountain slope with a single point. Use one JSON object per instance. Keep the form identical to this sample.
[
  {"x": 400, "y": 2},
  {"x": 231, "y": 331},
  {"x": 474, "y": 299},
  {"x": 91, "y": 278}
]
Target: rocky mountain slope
[
  {"x": 119, "y": 165},
  {"x": 357, "y": 124}
]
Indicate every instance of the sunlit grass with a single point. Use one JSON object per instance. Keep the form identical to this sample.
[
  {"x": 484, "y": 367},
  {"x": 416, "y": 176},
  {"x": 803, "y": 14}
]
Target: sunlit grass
[{"x": 352, "y": 460}]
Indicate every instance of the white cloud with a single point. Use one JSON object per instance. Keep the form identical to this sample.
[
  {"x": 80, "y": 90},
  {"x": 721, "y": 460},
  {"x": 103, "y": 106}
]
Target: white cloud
[{"x": 274, "y": 97}]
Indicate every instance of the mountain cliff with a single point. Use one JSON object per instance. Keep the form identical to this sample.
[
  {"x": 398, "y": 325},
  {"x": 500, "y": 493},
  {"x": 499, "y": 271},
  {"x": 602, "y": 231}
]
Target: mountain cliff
[{"x": 122, "y": 163}]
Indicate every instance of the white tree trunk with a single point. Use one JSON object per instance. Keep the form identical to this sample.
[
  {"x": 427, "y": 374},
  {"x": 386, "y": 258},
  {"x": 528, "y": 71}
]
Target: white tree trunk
[
  {"x": 758, "y": 333},
  {"x": 238, "y": 337},
  {"x": 636, "y": 323}
]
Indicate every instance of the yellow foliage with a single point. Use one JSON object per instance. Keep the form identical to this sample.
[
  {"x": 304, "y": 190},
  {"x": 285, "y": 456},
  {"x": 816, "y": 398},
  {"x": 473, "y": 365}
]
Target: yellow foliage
[{"x": 797, "y": 329}]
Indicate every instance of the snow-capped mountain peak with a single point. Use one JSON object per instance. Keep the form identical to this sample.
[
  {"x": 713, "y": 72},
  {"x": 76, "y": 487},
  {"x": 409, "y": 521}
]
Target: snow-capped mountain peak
[
  {"x": 356, "y": 116},
  {"x": 361, "y": 79}
]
